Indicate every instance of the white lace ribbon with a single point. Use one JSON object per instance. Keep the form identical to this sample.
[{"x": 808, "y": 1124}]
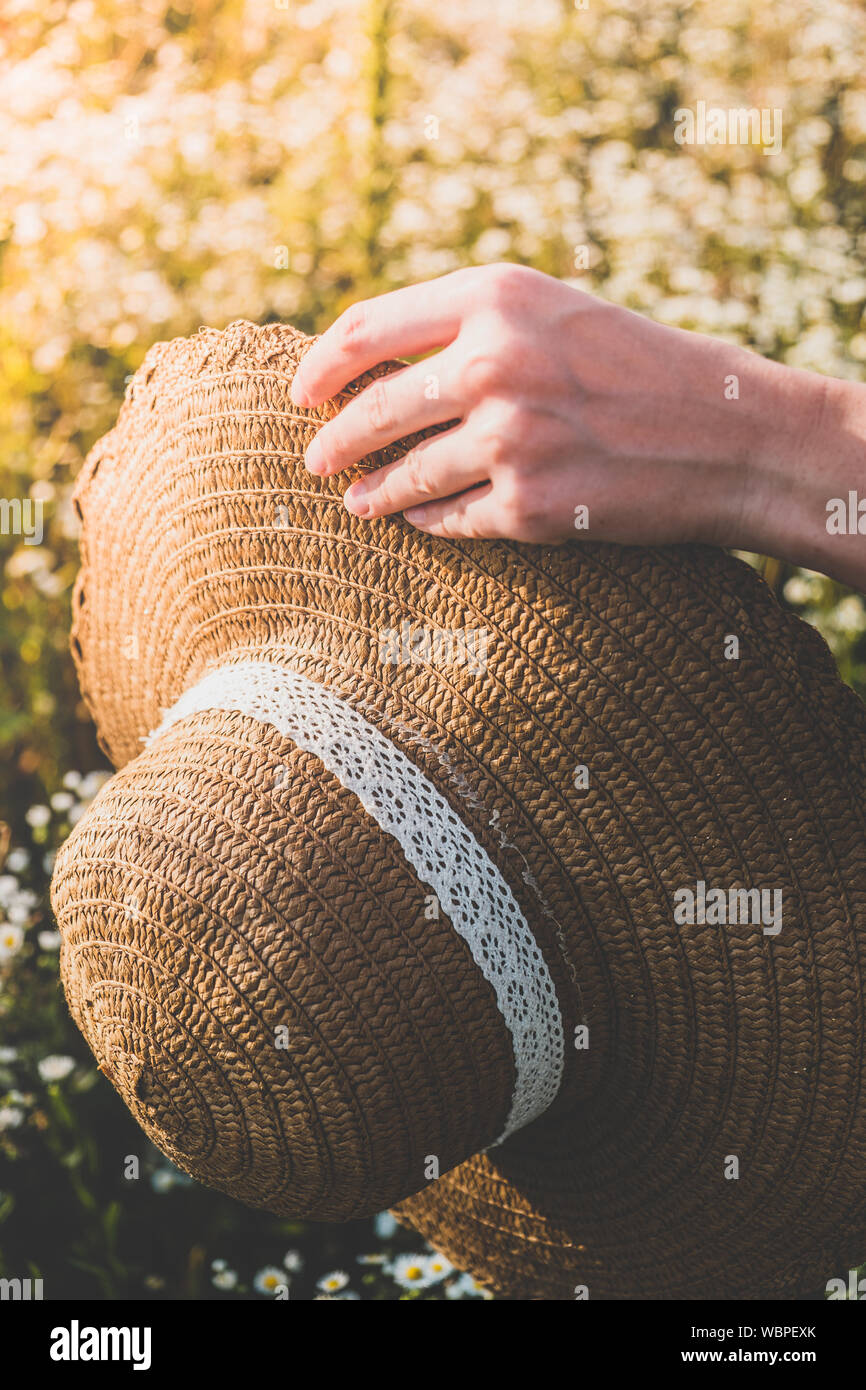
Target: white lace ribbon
[{"x": 439, "y": 846}]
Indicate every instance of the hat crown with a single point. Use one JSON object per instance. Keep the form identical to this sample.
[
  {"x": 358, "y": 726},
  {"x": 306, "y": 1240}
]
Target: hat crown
[{"x": 228, "y": 607}]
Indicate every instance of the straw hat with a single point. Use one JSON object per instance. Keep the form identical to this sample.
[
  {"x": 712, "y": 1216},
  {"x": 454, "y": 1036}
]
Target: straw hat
[{"x": 443, "y": 875}]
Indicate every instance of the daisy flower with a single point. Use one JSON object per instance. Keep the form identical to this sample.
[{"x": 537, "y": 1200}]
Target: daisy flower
[
  {"x": 55, "y": 1068},
  {"x": 410, "y": 1272},
  {"x": 467, "y": 1287},
  {"x": 438, "y": 1267},
  {"x": 224, "y": 1279},
  {"x": 293, "y": 1261},
  {"x": 332, "y": 1283},
  {"x": 11, "y": 940},
  {"x": 19, "y": 911},
  {"x": 269, "y": 1280}
]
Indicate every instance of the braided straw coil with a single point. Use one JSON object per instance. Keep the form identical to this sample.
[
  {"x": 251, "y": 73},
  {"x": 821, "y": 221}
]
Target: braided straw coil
[{"x": 342, "y": 922}]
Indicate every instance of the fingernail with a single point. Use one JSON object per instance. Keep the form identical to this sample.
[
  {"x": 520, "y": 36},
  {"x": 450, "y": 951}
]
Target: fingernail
[
  {"x": 298, "y": 394},
  {"x": 355, "y": 501},
  {"x": 415, "y": 515}
]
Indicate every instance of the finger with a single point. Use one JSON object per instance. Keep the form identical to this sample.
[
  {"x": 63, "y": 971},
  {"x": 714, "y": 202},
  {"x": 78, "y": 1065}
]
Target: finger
[
  {"x": 401, "y": 323},
  {"x": 435, "y": 468},
  {"x": 388, "y": 409},
  {"x": 472, "y": 514}
]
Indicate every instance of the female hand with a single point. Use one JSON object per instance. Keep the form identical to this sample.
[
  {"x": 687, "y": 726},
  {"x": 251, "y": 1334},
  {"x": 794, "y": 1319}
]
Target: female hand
[{"x": 572, "y": 418}]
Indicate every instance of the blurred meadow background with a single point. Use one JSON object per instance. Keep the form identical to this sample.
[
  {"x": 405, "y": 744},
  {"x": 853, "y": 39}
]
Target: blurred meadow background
[{"x": 165, "y": 166}]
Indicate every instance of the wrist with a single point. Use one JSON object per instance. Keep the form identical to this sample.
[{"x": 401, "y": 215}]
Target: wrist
[
  {"x": 783, "y": 410},
  {"x": 807, "y": 460},
  {"x": 756, "y": 416}
]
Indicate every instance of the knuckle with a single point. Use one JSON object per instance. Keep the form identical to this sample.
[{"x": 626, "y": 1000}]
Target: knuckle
[
  {"x": 496, "y": 435},
  {"x": 504, "y": 282},
  {"x": 378, "y": 408},
  {"x": 495, "y": 449},
  {"x": 512, "y": 498},
  {"x": 455, "y": 526},
  {"x": 352, "y": 325},
  {"x": 417, "y": 473},
  {"x": 474, "y": 531},
  {"x": 498, "y": 449},
  {"x": 518, "y": 427},
  {"x": 480, "y": 372}
]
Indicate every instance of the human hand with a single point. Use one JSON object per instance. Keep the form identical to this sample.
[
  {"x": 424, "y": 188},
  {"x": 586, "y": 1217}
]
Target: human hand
[{"x": 560, "y": 402}]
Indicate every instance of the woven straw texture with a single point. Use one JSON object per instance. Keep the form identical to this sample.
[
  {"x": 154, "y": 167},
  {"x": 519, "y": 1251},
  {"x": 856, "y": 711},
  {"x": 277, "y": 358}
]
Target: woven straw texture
[{"x": 224, "y": 885}]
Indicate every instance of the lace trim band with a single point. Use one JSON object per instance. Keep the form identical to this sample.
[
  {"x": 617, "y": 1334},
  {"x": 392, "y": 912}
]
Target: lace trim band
[{"x": 440, "y": 848}]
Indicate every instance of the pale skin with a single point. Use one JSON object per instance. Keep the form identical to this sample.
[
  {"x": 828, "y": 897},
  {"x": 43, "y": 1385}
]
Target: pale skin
[{"x": 561, "y": 400}]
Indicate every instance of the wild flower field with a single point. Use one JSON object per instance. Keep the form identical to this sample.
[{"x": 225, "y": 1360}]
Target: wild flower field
[{"x": 165, "y": 166}]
